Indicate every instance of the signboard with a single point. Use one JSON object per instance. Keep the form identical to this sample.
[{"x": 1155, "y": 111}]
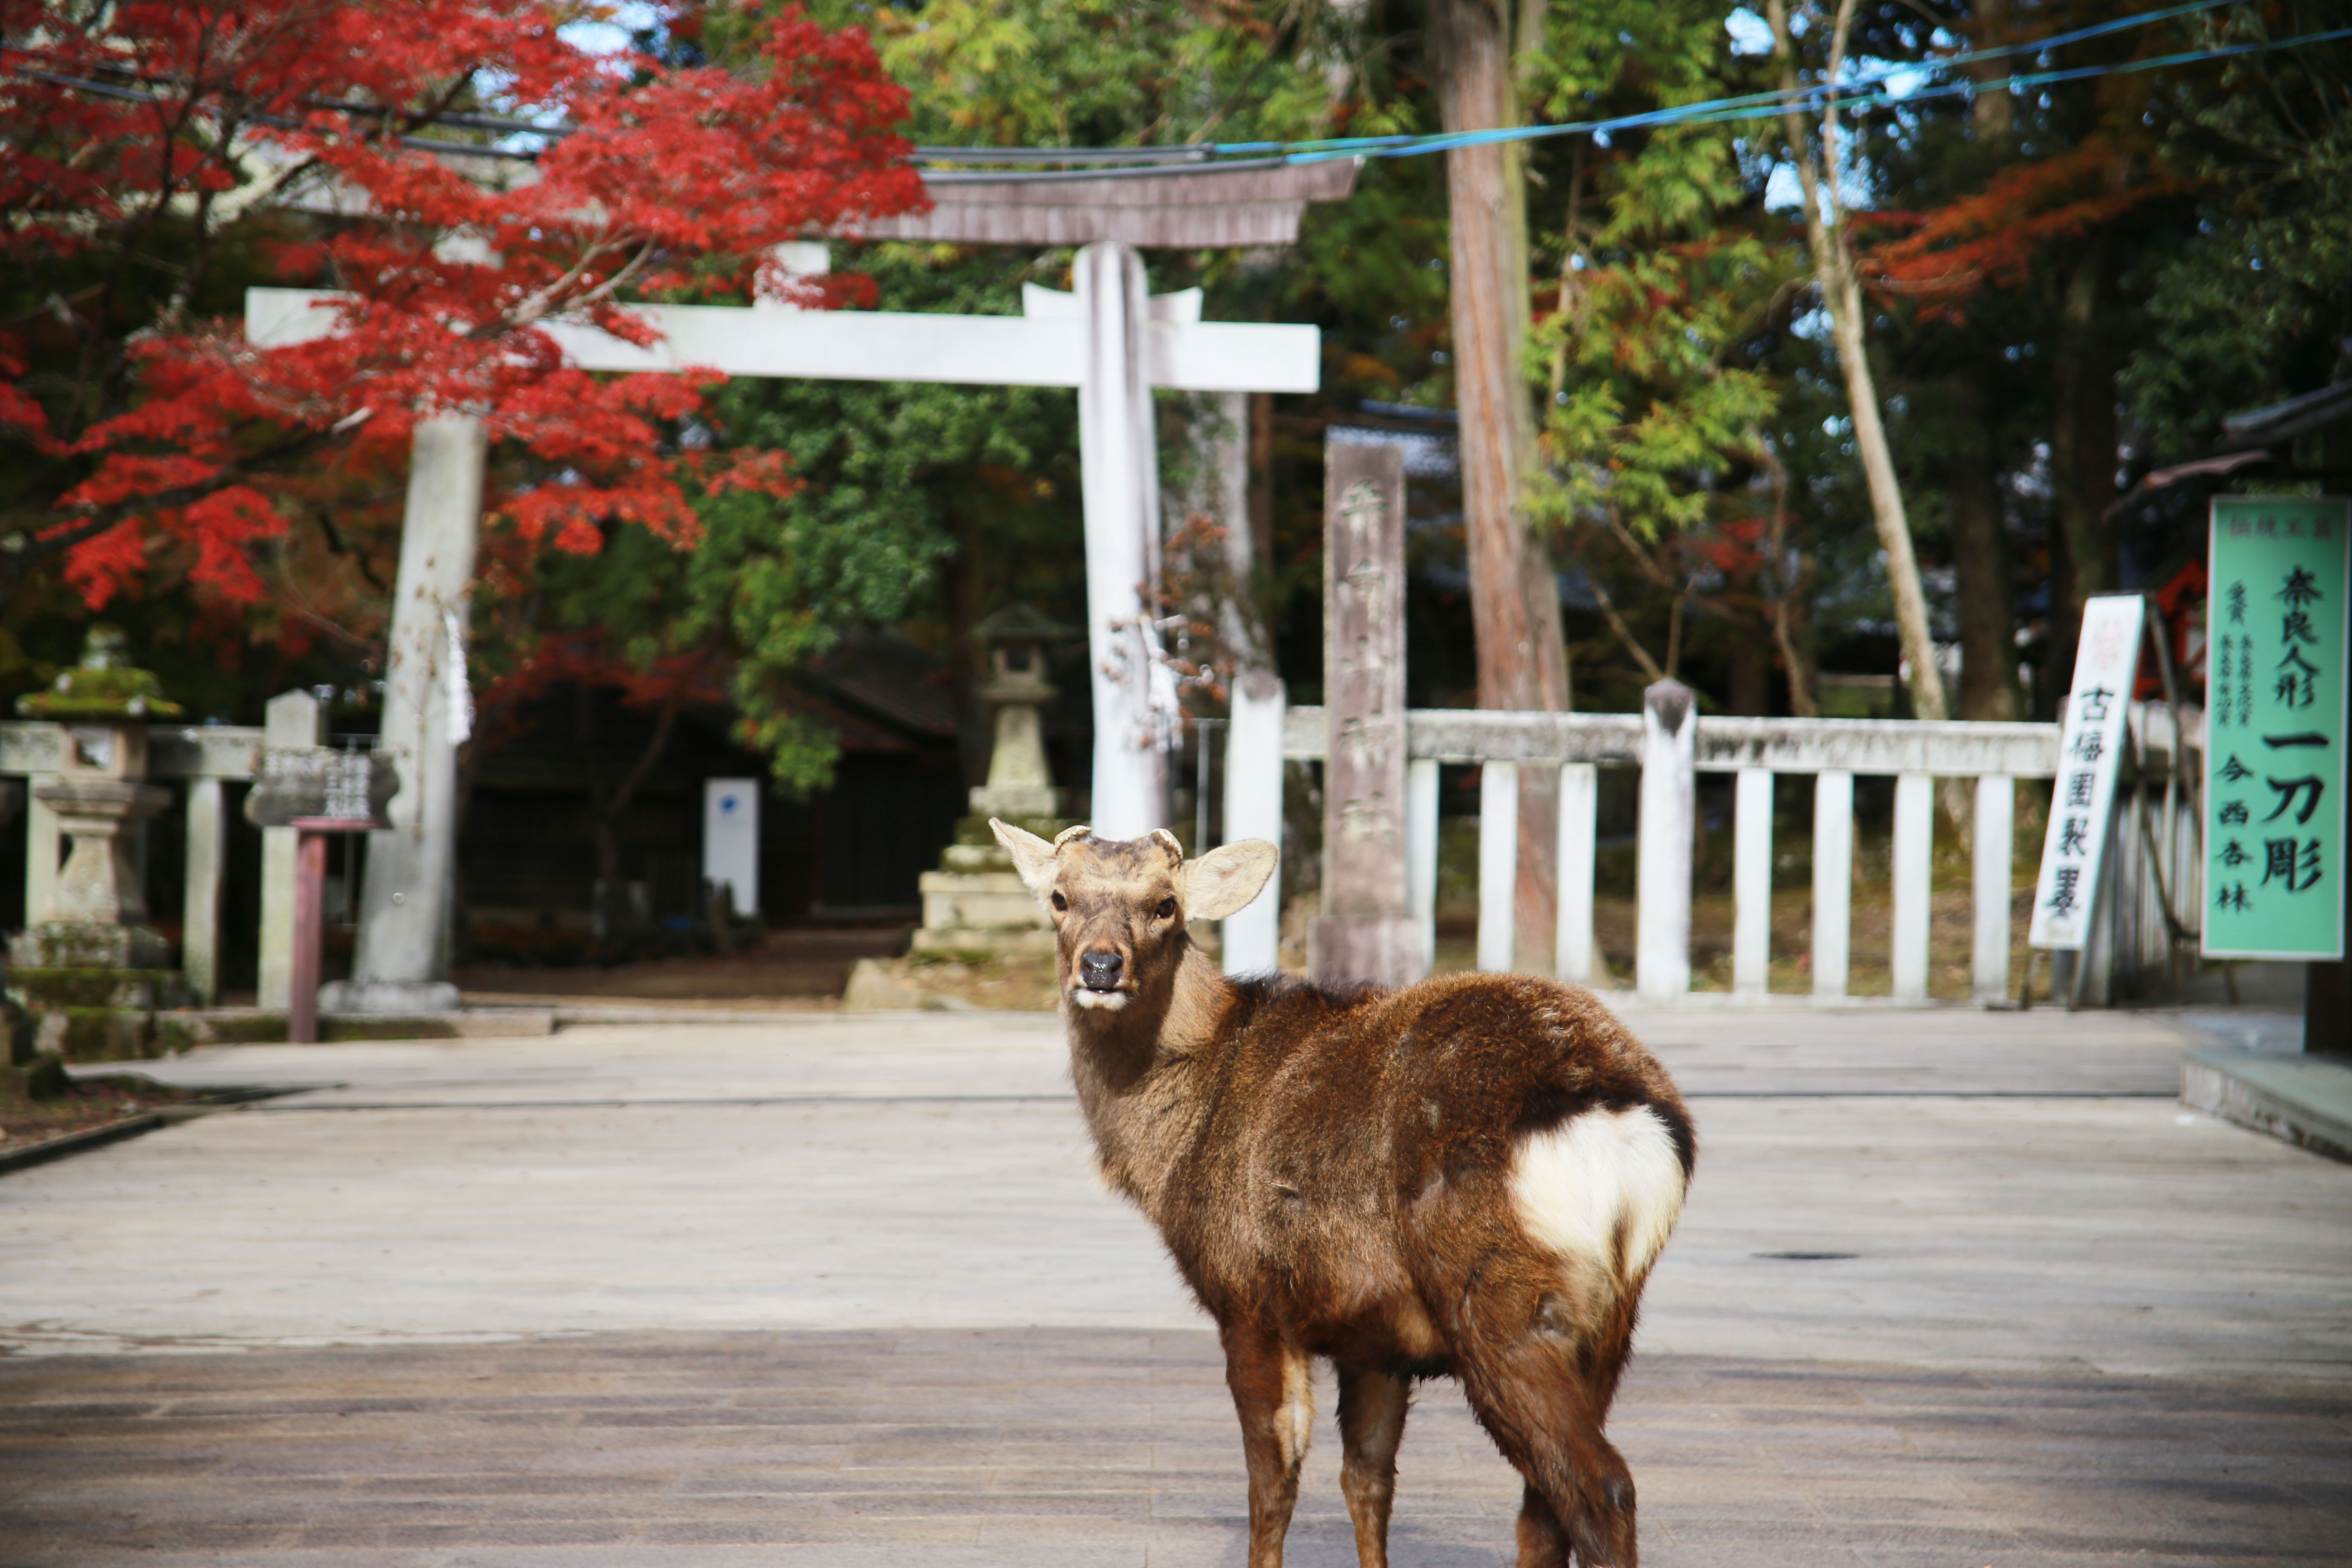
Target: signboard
[
  {"x": 2090, "y": 743},
  {"x": 2277, "y": 631},
  {"x": 731, "y": 840}
]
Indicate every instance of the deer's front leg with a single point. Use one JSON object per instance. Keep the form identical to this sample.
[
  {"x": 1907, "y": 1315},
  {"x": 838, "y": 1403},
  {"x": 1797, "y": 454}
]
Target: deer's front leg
[
  {"x": 1275, "y": 1397},
  {"x": 1372, "y": 1424}
]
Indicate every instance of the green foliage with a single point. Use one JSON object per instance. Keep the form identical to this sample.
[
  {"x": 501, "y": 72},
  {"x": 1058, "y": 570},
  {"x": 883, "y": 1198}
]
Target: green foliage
[
  {"x": 1667, "y": 277},
  {"x": 1077, "y": 73},
  {"x": 2249, "y": 307}
]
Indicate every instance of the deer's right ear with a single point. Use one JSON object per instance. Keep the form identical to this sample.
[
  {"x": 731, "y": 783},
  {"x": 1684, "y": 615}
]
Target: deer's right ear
[
  {"x": 1031, "y": 855},
  {"x": 1226, "y": 878}
]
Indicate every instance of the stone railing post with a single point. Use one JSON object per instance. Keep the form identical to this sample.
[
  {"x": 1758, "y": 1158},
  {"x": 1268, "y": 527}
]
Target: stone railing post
[
  {"x": 1832, "y": 881},
  {"x": 1995, "y": 828},
  {"x": 1751, "y": 884},
  {"x": 200, "y": 903},
  {"x": 1579, "y": 805},
  {"x": 1253, "y": 935},
  {"x": 1669, "y": 816},
  {"x": 1498, "y": 865},
  {"x": 1421, "y": 832},
  {"x": 1915, "y": 848}
]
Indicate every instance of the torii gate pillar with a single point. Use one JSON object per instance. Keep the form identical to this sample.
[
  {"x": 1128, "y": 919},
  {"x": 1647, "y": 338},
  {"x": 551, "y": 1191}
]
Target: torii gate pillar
[
  {"x": 401, "y": 963},
  {"x": 1118, "y": 459}
]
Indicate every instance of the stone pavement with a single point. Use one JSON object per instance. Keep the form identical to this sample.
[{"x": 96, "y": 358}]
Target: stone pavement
[{"x": 842, "y": 1291}]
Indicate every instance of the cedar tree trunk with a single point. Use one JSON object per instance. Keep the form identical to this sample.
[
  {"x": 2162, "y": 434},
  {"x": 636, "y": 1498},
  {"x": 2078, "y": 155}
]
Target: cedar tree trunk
[
  {"x": 1514, "y": 606},
  {"x": 1980, "y": 556}
]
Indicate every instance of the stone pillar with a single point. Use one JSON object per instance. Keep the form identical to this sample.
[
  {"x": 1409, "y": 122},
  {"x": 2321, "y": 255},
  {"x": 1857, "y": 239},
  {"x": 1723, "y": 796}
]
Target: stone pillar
[
  {"x": 42, "y": 847},
  {"x": 1120, "y": 460},
  {"x": 200, "y": 903},
  {"x": 292, "y": 719},
  {"x": 1669, "y": 815},
  {"x": 1366, "y": 933},
  {"x": 402, "y": 963}
]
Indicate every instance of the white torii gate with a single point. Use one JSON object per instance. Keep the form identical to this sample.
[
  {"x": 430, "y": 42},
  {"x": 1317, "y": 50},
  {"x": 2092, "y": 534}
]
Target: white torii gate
[{"x": 1108, "y": 340}]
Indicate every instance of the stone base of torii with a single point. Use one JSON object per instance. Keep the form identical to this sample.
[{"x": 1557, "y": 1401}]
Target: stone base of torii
[{"x": 1109, "y": 340}]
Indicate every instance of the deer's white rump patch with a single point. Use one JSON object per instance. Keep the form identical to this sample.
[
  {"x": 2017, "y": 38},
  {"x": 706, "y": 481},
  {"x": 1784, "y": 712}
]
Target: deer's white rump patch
[{"x": 1602, "y": 1188}]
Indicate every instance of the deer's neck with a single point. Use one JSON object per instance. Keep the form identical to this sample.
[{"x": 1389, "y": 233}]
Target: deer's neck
[{"x": 1139, "y": 1072}]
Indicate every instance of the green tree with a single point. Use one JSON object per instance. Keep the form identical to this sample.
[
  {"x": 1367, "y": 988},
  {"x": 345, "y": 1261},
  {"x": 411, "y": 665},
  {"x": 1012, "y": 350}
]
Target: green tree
[
  {"x": 1655, "y": 439},
  {"x": 2253, "y": 303}
]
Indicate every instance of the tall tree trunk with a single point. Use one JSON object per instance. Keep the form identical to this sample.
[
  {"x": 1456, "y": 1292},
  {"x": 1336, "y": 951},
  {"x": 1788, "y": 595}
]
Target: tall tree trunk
[
  {"x": 607, "y": 805},
  {"x": 1513, "y": 604},
  {"x": 1992, "y": 110},
  {"x": 1841, "y": 295},
  {"x": 1261, "y": 476},
  {"x": 2082, "y": 444},
  {"x": 1980, "y": 557},
  {"x": 1221, "y": 571},
  {"x": 1751, "y": 672}
]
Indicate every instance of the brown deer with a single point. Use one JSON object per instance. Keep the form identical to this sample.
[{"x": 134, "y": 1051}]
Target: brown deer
[{"x": 1467, "y": 1177}]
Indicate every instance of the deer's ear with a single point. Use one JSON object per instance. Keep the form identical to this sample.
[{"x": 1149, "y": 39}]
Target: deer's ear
[
  {"x": 1225, "y": 880},
  {"x": 1031, "y": 855}
]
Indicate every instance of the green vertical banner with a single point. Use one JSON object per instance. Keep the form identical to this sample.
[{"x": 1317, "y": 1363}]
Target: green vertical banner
[{"x": 2278, "y": 627}]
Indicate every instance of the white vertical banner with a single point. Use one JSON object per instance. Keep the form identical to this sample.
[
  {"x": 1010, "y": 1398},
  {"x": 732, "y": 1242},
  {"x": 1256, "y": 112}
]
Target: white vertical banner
[
  {"x": 2090, "y": 741},
  {"x": 730, "y": 839}
]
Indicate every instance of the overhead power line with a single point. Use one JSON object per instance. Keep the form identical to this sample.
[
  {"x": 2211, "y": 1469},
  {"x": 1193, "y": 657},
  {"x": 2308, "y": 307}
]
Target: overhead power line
[
  {"x": 1762, "y": 106},
  {"x": 1868, "y": 89},
  {"x": 1776, "y": 99}
]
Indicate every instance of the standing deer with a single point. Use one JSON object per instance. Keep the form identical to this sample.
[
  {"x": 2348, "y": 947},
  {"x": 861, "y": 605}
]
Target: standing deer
[{"x": 1470, "y": 1176}]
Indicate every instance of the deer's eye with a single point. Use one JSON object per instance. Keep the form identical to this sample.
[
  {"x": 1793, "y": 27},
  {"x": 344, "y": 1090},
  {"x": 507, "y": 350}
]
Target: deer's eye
[
  {"x": 1060, "y": 902},
  {"x": 1167, "y": 909}
]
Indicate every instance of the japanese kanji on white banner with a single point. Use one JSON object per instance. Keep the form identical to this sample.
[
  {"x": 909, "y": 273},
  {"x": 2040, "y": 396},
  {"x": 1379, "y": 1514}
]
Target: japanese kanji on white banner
[{"x": 2107, "y": 660}]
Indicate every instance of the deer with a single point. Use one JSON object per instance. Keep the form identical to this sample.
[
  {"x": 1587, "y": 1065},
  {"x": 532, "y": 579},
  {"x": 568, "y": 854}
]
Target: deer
[{"x": 1468, "y": 1177}]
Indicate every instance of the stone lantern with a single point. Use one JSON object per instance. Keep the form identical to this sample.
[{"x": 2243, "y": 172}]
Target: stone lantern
[
  {"x": 97, "y": 916},
  {"x": 974, "y": 906},
  {"x": 1020, "y": 788}
]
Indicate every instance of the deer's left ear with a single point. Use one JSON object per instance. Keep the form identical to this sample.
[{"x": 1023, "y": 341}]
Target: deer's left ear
[
  {"x": 1225, "y": 880},
  {"x": 1031, "y": 855}
]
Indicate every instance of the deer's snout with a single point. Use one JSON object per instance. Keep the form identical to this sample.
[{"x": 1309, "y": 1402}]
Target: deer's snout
[{"x": 1101, "y": 969}]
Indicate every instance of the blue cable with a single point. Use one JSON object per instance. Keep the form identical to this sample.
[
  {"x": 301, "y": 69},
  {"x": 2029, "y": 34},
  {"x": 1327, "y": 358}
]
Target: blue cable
[{"x": 1722, "y": 111}]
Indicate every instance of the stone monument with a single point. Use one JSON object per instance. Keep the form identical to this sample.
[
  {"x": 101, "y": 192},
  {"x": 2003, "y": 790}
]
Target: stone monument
[
  {"x": 1366, "y": 932},
  {"x": 974, "y": 905},
  {"x": 89, "y": 966}
]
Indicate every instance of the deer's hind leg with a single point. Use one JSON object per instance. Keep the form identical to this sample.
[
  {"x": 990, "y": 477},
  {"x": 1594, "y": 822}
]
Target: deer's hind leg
[
  {"x": 1274, "y": 1393},
  {"x": 1527, "y": 1361},
  {"x": 1373, "y": 1405}
]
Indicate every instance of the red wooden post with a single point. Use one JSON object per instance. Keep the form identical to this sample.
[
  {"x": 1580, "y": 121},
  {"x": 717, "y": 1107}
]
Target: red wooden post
[{"x": 309, "y": 909}]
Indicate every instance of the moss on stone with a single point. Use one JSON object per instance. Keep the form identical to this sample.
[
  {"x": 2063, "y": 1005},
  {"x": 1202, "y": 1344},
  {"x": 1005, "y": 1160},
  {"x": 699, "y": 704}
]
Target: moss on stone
[{"x": 85, "y": 693}]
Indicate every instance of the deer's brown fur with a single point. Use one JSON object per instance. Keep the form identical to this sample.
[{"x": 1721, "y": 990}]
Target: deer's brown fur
[{"x": 1470, "y": 1176}]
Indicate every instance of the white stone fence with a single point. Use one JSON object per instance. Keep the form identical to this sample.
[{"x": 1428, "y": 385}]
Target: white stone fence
[
  {"x": 1671, "y": 748},
  {"x": 205, "y": 757}
]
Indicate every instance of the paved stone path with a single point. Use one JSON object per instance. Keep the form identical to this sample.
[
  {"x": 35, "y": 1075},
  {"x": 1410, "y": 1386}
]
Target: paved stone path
[{"x": 842, "y": 1291}]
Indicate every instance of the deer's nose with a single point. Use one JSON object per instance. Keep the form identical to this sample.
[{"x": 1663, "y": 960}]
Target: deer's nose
[{"x": 1099, "y": 971}]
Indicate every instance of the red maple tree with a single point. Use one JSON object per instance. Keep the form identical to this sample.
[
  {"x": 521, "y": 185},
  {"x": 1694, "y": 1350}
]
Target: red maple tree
[
  {"x": 1992, "y": 238},
  {"x": 463, "y": 175}
]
